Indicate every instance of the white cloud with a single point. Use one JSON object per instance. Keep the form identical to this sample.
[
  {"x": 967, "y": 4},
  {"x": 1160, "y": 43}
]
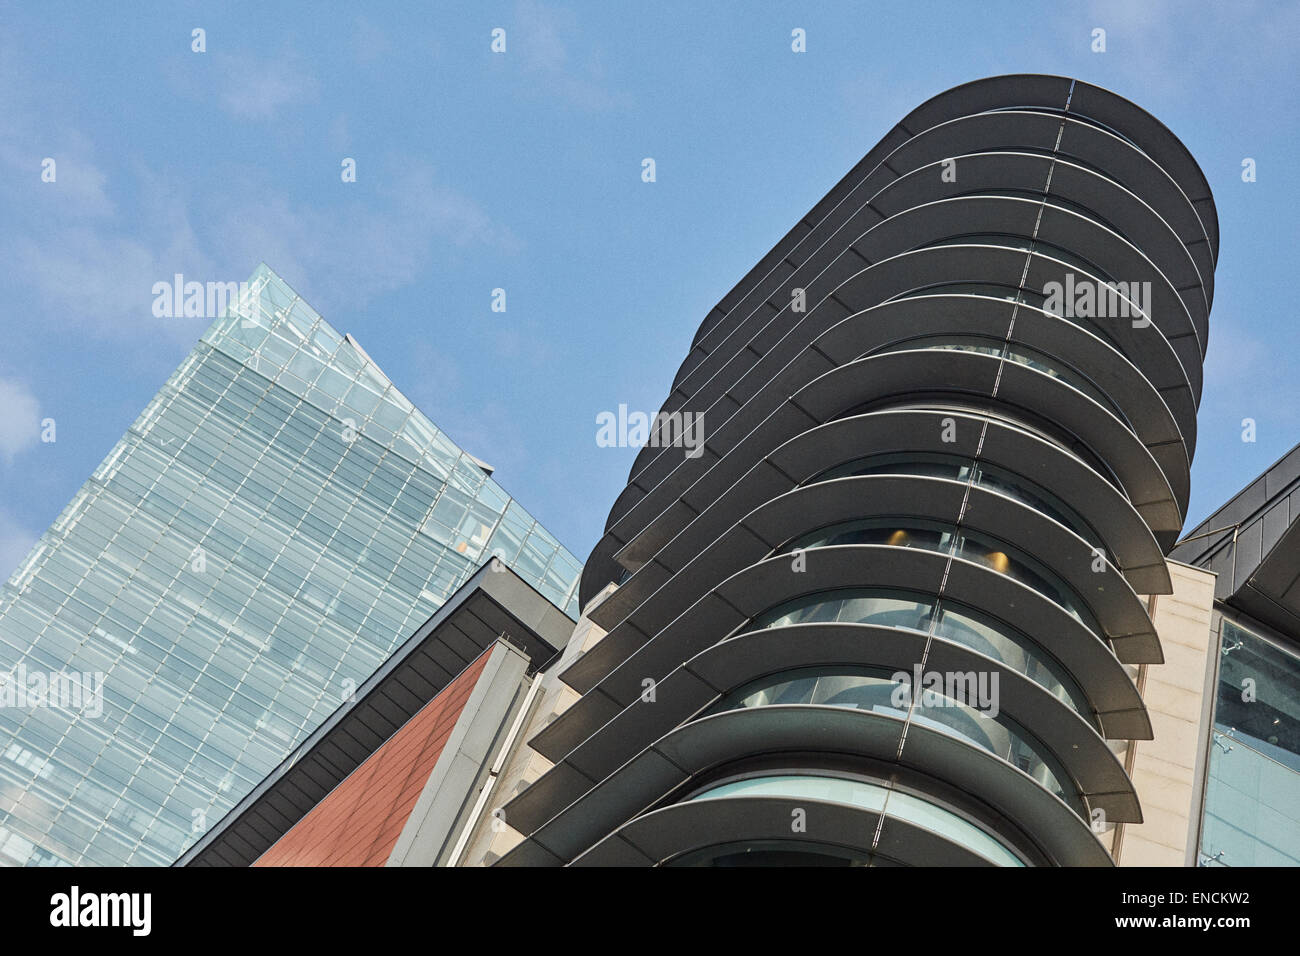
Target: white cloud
[
  {"x": 78, "y": 190},
  {"x": 89, "y": 278},
  {"x": 76, "y": 263},
  {"x": 73, "y": 264},
  {"x": 346, "y": 254},
  {"x": 539, "y": 38},
  {"x": 20, "y": 419},
  {"x": 257, "y": 88}
]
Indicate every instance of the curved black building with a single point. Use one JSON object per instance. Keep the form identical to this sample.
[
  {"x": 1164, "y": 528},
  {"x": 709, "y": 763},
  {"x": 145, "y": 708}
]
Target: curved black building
[{"x": 948, "y": 425}]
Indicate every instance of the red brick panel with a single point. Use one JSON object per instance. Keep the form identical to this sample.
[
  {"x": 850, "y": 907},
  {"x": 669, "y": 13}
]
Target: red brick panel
[{"x": 358, "y": 822}]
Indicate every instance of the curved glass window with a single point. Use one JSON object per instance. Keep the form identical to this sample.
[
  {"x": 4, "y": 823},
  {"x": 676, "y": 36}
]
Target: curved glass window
[
  {"x": 956, "y": 343},
  {"x": 1074, "y": 115},
  {"x": 1018, "y": 422},
  {"x": 920, "y": 464},
  {"x": 897, "y": 532},
  {"x": 881, "y": 606},
  {"x": 957, "y": 468},
  {"x": 1058, "y": 201},
  {"x": 1012, "y": 352},
  {"x": 1092, "y": 273},
  {"x": 1028, "y": 297},
  {"x": 973, "y": 546},
  {"x": 995, "y": 290},
  {"x": 881, "y": 691},
  {"x": 1070, "y": 158},
  {"x": 1008, "y": 241},
  {"x": 870, "y": 796},
  {"x": 777, "y": 853},
  {"x": 970, "y": 628},
  {"x": 949, "y": 619}
]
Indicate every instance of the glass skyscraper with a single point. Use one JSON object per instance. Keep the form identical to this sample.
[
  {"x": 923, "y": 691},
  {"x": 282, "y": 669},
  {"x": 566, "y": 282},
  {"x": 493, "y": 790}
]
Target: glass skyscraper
[{"x": 277, "y": 521}]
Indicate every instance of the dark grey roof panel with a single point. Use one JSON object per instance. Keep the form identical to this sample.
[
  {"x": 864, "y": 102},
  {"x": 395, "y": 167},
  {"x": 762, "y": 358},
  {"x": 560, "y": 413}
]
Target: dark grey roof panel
[{"x": 381, "y": 705}]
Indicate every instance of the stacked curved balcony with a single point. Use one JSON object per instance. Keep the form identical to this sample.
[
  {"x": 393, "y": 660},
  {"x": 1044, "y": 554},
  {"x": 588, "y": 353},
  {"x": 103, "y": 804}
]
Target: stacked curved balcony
[{"x": 929, "y": 465}]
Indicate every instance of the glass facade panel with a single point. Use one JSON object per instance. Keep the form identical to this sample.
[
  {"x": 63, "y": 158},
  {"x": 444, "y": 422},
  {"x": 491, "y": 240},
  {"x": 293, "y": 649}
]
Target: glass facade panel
[
  {"x": 231, "y": 564},
  {"x": 904, "y": 532},
  {"x": 1015, "y": 352},
  {"x": 870, "y": 796},
  {"x": 879, "y": 691},
  {"x": 957, "y": 468},
  {"x": 1252, "y": 791},
  {"x": 950, "y": 620}
]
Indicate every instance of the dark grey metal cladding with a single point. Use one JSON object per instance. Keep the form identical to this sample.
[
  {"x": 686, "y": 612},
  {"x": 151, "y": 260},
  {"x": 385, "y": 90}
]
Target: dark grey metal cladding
[
  {"x": 783, "y": 518},
  {"x": 812, "y": 452},
  {"x": 889, "y": 232},
  {"x": 849, "y": 337},
  {"x": 1043, "y": 176},
  {"x": 854, "y": 292},
  {"x": 919, "y": 329},
  {"x": 1253, "y": 544},
  {"x": 1034, "y": 178},
  {"x": 737, "y": 410},
  {"x": 1130, "y": 457},
  {"x": 1086, "y": 191},
  {"x": 1100, "y": 362},
  {"x": 878, "y": 378},
  {"x": 1142, "y": 136},
  {"x": 1088, "y": 102},
  {"x": 1115, "y": 155},
  {"x": 718, "y": 669},
  {"x": 1081, "y": 145},
  {"x": 843, "y": 284},
  {"x": 676, "y": 830},
  {"x": 1156, "y": 140},
  {"x": 766, "y": 584},
  {"x": 1270, "y": 588},
  {"x": 910, "y": 274},
  {"x": 698, "y": 748},
  {"x": 733, "y": 603},
  {"x": 1139, "y": 153}
]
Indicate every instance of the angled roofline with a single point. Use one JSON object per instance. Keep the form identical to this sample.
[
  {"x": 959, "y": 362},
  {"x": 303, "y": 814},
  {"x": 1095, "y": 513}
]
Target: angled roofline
[
  {"x": 526, "y": 619},
  {"x": 1252, "y": 542}
]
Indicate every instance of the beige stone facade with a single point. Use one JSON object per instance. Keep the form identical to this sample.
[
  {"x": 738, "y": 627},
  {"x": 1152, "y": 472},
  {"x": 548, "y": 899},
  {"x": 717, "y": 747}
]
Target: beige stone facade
[{"x": 1178, "y": 693}]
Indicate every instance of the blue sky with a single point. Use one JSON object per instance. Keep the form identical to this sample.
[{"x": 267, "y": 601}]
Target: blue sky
[{"x": 523, "y": 171}]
